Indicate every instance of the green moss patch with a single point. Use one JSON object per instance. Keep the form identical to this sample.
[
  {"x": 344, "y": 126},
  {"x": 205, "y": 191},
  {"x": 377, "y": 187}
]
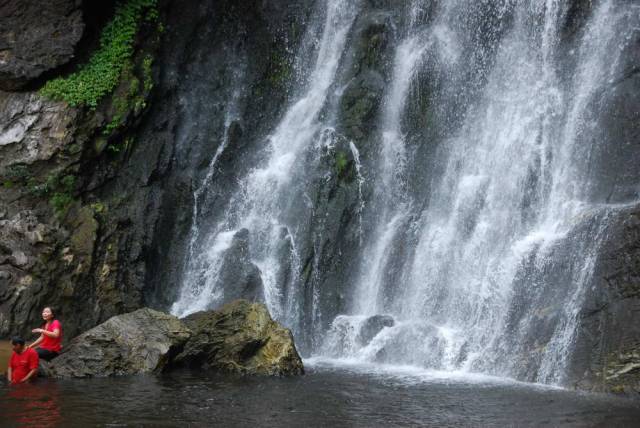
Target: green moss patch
[{"x": 99, "y": 76}]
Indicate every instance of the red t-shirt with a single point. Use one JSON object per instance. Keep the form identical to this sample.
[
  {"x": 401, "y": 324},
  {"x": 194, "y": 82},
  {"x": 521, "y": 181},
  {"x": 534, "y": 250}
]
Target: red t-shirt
[
  {"x": 53, "y": 344},
  {"x": 22, "y": 364}
]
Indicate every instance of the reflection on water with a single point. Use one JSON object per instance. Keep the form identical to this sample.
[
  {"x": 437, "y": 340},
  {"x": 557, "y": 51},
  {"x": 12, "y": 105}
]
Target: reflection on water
[
  {"x": 35, "y": 404},
  {"x": 323, "y": 397}
]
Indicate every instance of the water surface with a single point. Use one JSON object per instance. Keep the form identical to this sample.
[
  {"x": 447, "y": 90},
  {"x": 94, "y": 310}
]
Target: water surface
[
  {"x": 5, "y": 354},
  {"x": 326, "y": 396}
]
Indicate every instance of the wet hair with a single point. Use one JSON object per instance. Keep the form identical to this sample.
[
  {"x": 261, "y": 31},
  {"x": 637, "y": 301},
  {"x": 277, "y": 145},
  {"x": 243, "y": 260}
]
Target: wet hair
[{"x": 16, "y": 340}]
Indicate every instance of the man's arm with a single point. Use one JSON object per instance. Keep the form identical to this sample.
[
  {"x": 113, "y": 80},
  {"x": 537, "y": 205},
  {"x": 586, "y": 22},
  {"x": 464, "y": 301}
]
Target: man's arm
[
  {"x": 28, "y": 376},
  {"x": 9, "y": 374}
]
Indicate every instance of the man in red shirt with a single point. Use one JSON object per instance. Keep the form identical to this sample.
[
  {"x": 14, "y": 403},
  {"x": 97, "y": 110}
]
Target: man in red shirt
[{"x": 23, "y": 364}]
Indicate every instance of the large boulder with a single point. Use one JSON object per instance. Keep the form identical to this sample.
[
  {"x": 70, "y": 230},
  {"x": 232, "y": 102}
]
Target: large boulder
[
  {"x": 35, "y": 37},
  {"x": 241, "y": 338},
  {"x": 143, "y": 341}
]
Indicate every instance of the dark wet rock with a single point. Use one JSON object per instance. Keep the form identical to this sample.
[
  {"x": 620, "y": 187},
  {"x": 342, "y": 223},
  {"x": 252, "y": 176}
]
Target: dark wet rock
[
  {"x": 35, "y": 37},
  {"x": 239, "y": 277},
  {"x": 613, "y": 172},
  {"x": 372, "y": 326},
  {"x": 240, "y": 338},
  {"x": 208, "y": 53},
  {"x": 577, "y": 14},
  {"x": 360, "y": 103},
  {"x": 143, "y": 341},
  {"x": 607, "y": 351},
  {"x": 333, "y": 235}
]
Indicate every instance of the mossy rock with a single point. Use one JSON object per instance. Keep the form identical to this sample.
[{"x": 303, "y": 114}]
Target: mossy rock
[{"x": 241, "y": 338}]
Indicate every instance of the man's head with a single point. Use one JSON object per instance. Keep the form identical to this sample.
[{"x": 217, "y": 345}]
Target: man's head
[{"x": 17, "y": 343}]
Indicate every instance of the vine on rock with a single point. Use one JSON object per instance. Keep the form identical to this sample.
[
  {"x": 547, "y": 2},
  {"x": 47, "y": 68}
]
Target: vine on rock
[{"x": 99, "y": 76}]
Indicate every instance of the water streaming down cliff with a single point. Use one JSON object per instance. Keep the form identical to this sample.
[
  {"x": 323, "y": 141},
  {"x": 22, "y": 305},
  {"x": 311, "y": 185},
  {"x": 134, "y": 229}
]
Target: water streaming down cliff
[
  {"x": 475, "y": 257},
  {"x": 266, "y": 193}
]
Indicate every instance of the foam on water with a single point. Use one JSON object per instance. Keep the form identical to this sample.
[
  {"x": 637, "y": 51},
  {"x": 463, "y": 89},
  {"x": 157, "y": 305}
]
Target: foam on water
[{"x": 411, "y": 375}]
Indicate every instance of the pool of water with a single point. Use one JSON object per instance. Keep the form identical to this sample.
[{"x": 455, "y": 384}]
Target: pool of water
[
  {"x": 328, "y": 395},
  {"x": 5, "y": 353}
]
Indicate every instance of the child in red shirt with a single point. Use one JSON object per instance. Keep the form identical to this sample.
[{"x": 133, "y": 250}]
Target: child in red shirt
[{"x": 23, "y": 364}]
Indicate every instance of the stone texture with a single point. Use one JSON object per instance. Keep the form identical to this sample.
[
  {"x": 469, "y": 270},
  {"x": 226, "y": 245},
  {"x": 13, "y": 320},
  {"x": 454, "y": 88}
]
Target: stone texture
[
  {"x": 239, "y": 277},
  {"x": 32, "y": 128},
  {"x": 35, "y": 37},
  {"x": 372, "y": 326},
  {"x": 607, "y": 353},
  {"x": 240, "y": 338},
  {"x": 23, "y": 239},
  {"x": 138, "y": 342}
]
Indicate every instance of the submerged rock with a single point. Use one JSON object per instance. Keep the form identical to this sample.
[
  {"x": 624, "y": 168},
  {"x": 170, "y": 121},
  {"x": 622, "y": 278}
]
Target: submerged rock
[
  {"x": 138, "y": 342},
  {"x": 241, "y": 338},
  {"x": 372, "y": 326}
]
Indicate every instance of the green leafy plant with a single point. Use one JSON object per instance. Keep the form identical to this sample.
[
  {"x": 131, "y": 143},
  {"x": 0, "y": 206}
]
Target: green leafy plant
[
  {"x": 60, "y": 190},
  {"x": 146, "y": 71},
  {"x": 60, "y": 203},
  {"x": 341, "y": 163},
  {"x": 99, "y": 76}
]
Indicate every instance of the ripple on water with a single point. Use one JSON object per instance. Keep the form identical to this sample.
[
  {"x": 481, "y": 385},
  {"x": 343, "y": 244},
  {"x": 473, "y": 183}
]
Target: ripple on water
[{"x": 329, "y": 395}]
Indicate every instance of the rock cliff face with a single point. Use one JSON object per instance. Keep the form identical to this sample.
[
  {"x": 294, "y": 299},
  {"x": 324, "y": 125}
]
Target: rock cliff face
[
  {"x": 36, "y": 37},
  {"x": 96, "y": 203}
]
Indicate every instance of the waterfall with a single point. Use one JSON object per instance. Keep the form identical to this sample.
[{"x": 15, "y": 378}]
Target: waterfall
[
  {"x": 478, "y": 231},
  {"x": 512, "y": 193},
  {"x": 260, "y": 206}
]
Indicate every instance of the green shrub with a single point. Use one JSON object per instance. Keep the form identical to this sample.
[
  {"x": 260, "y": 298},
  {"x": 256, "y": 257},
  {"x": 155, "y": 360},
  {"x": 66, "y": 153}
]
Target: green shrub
[
  {"x": 98, "y": 77},
  {"x": 60, "y": 203}
]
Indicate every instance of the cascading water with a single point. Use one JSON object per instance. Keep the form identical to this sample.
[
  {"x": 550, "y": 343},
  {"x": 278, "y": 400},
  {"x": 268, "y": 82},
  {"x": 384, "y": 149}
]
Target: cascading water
[
  {"x": 265, "y": 193},
  {"x": 498, "y": 229}
]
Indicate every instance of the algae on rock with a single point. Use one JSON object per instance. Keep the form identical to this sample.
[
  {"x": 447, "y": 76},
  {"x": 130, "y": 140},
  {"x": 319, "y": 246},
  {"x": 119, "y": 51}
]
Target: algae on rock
[{"x": 242, "y": 338}]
